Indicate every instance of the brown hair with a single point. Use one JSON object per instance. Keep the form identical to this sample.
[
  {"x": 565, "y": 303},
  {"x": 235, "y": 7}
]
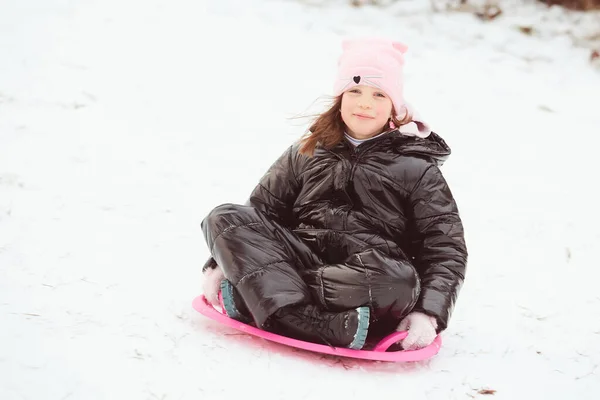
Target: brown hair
[{"x": 328, "y": 128}]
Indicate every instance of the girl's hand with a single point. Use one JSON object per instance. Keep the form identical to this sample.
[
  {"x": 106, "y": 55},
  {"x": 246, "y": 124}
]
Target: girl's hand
[{"x": 421, "y": 330}]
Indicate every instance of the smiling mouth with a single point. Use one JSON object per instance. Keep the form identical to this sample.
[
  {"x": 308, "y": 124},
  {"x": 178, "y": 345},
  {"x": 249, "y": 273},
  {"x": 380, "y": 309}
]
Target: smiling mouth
[{"x": 364, "y": 116}]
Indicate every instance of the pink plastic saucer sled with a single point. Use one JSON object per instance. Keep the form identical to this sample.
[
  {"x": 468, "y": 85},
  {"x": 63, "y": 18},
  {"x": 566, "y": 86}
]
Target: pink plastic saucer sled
[{"x": 379, "y": 351}]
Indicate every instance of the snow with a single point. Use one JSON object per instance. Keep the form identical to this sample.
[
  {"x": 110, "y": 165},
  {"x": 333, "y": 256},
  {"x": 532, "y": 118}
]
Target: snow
[{"x": 123, "y": 123}]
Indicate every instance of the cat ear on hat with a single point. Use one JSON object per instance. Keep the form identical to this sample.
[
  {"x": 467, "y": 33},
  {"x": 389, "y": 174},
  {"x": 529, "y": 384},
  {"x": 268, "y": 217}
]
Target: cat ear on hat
[
  {"x": 401, "y": 47},
  {"x": 397, "y": 51}
]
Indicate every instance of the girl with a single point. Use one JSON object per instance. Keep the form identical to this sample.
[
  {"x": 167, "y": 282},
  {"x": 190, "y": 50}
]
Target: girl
[{"x": 353, "y": 230}]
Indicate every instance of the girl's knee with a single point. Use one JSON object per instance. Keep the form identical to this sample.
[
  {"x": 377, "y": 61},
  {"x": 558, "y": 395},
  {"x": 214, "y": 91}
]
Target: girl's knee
[
  {"x": 227, "y": 216},
  {"x": 394, "y": 271},
  {"x": 394, "y": 285}
]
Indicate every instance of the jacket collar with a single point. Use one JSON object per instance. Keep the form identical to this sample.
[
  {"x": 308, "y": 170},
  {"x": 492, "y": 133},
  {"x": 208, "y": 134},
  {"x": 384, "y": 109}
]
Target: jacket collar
[{"x": 432, "y": 146}]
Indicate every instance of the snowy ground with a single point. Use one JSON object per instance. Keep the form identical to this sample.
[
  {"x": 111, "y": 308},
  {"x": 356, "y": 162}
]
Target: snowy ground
[{"x": 122, "y": 123}]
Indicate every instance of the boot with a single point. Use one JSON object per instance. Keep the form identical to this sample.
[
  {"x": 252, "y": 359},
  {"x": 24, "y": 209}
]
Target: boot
[
  {"x": 233, "y": 304},
  {"x": 337, "y": 329}
]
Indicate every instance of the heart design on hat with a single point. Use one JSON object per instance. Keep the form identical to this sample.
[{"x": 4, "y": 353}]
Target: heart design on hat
[{"x": 356, "y": 79}]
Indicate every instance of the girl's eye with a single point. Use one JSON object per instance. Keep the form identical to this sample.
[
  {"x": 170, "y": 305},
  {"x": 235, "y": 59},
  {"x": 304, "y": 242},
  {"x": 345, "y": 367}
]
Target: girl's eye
[
  {"x": 380, "y": 95},
  {"x": 354, "y": 91}
]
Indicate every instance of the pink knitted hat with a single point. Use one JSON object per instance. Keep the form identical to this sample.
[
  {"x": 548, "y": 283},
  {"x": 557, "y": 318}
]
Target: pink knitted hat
[
  {"x": 377, "y": 62},
  {"x": 372, "y": 62}
]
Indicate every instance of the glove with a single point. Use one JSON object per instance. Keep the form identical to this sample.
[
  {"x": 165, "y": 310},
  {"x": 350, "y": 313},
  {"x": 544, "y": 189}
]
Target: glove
[
  {"x": 212, "y": 284},
  {"x": 421, "y": 330}
]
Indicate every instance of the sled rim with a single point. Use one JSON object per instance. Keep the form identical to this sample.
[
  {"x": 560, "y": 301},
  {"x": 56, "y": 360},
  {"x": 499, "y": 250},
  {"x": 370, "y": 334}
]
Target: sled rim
[{"x": 378, "y": 353}]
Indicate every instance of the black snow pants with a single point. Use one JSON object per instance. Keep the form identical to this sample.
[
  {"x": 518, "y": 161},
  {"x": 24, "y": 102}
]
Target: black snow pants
[{"x": 271, "y": 267}]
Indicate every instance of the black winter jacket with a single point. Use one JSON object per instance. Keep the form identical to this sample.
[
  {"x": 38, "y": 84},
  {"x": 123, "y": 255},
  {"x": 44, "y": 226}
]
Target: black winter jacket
[{"x": 387, "y": 193}]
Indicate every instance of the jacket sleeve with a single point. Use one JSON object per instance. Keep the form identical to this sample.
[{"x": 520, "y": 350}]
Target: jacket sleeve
[
  {"x": 441, "y": 257},
  {"x": 277, "y": 190},
  {"x": 275, "y": 193}
]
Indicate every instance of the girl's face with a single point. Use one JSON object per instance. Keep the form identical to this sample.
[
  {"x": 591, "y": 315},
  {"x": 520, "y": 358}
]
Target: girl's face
[{"x": 365, "y": 111}]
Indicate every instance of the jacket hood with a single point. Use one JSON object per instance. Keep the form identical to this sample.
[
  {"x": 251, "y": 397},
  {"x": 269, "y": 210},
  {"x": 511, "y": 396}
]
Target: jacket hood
[{"x": 432, "y": 146}]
